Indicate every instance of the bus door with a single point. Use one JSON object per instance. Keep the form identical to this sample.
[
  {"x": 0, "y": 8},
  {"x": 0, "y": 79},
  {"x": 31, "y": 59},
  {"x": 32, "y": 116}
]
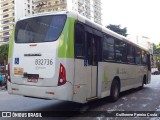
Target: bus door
[
  {"x": 149, "y": 58},
  {"x": 93, "y": 55},
  {"x": 87, "y": 53}
]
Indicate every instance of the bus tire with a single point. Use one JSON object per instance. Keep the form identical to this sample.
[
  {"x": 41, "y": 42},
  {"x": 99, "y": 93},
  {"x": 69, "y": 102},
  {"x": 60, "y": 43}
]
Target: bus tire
[
  {"x": 115, "y": 90},
  {"x": 143, "y": 82}
]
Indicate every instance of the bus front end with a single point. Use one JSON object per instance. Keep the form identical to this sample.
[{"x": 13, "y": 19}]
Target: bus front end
[{"x": 41, "y": 57}]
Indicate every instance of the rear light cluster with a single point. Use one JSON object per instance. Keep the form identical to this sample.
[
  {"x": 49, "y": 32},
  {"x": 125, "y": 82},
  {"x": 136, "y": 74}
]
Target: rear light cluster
[
  {"x": 62, "y": 75},
  {"x": 9, "y": 73}
]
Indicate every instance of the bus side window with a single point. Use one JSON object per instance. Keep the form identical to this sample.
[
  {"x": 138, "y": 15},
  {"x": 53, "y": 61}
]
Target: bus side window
[
  {"x": 144, "y": 57},
  {"x": 93, "y": 47},
  {"x": 89, "y": 47},
  {"x": 130, "y": 54},
  {"x": 138, "y": 55},
  {"x": 79, "y": 40},
  {"x": 120, "y": 51},
  {"x": 108, "y": 48}
]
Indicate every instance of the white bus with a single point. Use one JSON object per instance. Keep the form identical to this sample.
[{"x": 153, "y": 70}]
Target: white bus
[{"x": 67, "y": 57}]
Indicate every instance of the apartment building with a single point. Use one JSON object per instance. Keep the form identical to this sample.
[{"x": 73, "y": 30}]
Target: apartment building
[
  {"x": 88, "y": 8},
  {"x": 11, "y": 11},
  {"x": 142, "y": 41}
]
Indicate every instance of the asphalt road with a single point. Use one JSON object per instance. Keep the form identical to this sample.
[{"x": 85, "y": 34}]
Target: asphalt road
[{"x": 147, "y": 99}]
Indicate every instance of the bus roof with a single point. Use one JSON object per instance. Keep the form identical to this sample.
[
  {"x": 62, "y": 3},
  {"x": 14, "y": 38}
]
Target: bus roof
[
  {"x": 88, "y": 22},
  {"x": 108, "y": 31}
]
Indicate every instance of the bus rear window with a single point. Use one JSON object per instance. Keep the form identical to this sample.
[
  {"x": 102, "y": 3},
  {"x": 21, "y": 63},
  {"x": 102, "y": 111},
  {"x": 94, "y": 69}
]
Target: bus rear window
[{"x": 39, "y": 29}]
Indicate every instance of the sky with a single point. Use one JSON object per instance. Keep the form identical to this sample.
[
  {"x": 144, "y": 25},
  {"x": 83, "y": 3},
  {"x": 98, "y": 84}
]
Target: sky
[{"x": 141, "y": 17}]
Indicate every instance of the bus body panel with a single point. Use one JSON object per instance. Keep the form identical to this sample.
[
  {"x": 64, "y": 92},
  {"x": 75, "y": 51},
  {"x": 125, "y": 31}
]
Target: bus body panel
[
  {"x": 59, "y": 52},
  {"x": 60, "y": 93},
  {"x": 83, "y": 82},
  {"x": 103, "y": 81},
  {"x": 35, "y": 60},
  {"x": 131, "y": 76}
]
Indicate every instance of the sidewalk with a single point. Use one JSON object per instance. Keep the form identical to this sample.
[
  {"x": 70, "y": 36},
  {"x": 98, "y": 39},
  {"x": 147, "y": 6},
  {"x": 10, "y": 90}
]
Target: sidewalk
[{"x": 2, "y": 88}]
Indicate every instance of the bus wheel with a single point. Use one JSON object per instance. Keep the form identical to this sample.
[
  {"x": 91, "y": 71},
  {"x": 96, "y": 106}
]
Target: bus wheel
[
  {"x": 115, "y": 90},
  {"x": 143, "y": 82}
]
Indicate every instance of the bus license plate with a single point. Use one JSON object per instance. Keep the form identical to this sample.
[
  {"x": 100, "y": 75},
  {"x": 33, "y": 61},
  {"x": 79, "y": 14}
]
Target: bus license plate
[{"x": 33, "y": 80}]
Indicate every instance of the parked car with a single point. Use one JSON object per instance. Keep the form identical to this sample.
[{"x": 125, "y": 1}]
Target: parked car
[
  {"x": 1, "y": 80},
  {"x": 156, "y": 73}
]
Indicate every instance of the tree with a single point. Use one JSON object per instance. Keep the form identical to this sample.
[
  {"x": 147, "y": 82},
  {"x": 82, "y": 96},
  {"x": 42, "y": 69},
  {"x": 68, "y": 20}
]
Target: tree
[
  {"x": 4, "y": 53},
  {"x": 156, "y": 52},
  {"x": 118, "y": 29},
  {"x": 156, "y": 49}
]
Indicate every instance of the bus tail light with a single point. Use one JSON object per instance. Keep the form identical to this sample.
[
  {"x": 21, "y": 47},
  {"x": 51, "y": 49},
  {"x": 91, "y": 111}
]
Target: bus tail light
[
  {"x": 9, "y": 73},
  {"x": 62, "y": 75}
]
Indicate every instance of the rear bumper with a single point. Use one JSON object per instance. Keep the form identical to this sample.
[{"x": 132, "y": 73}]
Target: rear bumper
[{"x": 64, "y": 92}]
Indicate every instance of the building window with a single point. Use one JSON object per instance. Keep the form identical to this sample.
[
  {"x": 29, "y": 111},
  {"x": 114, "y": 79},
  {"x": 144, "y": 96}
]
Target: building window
[
  {"x": 6, "y": 22},
  {"x": 7, "y": 27},
  {"x": 62, "y": 1},
  {"x": 63, "y": 8},
  {"x": 49, "y": 10},
  {"x": 5, "y": 4},
  {"x": 5, "y": 10},
  {"x": 6, "y": 39},
  {"x": 56, "y": 2},
  {"x": 42, "y": 11},
  {"x": 49, "y": 3},
  {"x": 6, "y": 33}
]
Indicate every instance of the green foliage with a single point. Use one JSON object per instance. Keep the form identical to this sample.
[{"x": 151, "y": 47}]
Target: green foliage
[
  {"x": 158, "y": 46},
  {"x": 156, "y": 49},
  {"x": 4, "y": 52},
  {"x": 118, "y": 29}
]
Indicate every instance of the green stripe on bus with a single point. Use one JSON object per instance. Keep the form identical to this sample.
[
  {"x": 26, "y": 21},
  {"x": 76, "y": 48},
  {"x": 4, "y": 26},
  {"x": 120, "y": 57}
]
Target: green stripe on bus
[
  {"x": 105, "y": 77},
  {"x": 66, "y": 42},
  {"x": 11, "y": 44}
]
